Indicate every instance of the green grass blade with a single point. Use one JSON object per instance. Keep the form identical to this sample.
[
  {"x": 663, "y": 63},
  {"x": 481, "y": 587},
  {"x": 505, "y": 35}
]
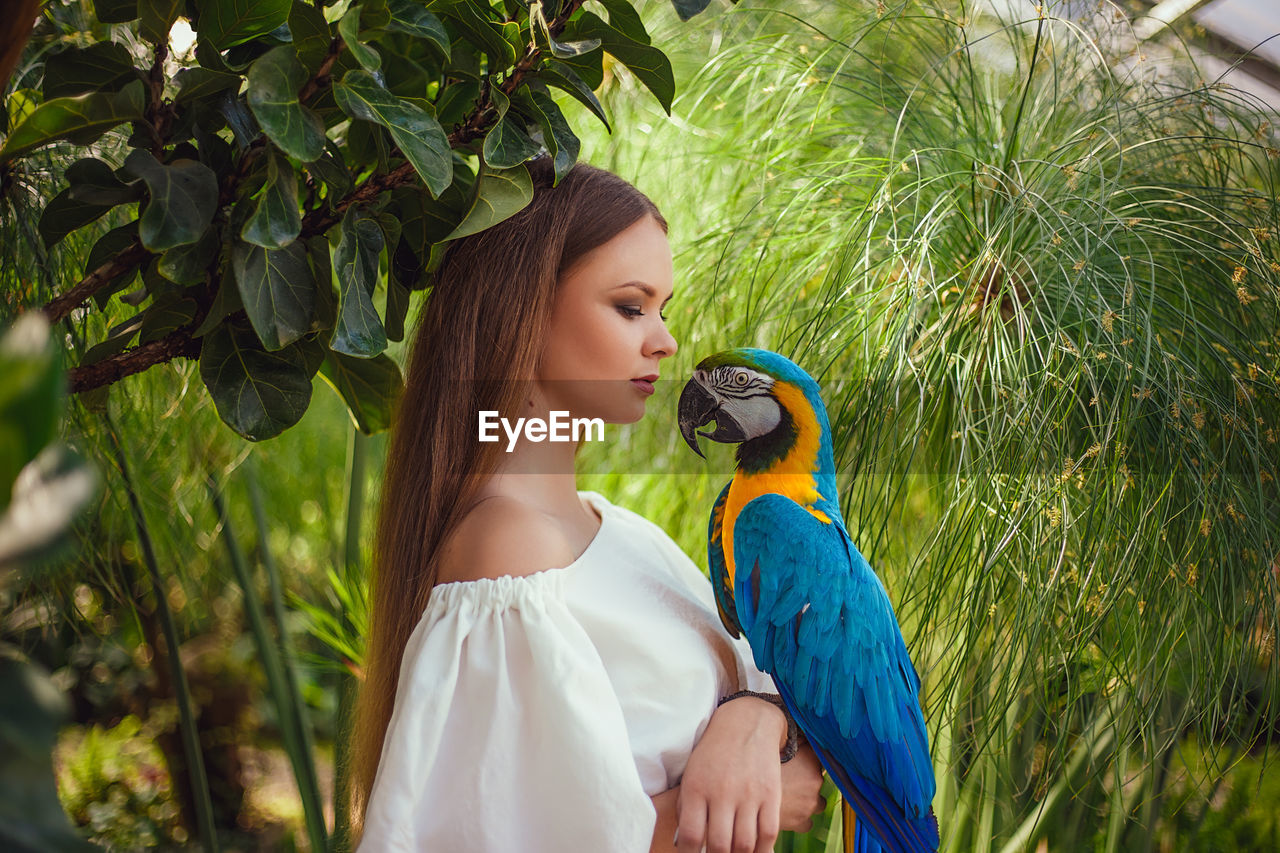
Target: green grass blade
[
  {"x": 304, "y": 762},
  {"x": 190, "y": 734},
  {"x": 277, "y": 681}
]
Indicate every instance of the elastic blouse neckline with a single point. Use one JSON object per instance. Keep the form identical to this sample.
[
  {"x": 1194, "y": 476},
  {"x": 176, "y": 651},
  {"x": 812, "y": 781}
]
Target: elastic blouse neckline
[{"x": 506, "y": 582}]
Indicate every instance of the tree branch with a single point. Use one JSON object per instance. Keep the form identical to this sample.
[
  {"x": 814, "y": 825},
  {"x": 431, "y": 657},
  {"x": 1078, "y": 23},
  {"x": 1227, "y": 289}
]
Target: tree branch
[
  {"x": 156, "y": 114},
  {"x": 321, "y": 77},
  {"x": 64, "y": 304},
  {"x": 136, "y": 360}
]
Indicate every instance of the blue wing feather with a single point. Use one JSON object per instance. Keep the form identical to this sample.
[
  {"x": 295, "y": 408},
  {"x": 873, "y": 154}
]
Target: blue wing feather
[
  {"x": 718, "y": 567},
  {"x": 820, "y": 622}
]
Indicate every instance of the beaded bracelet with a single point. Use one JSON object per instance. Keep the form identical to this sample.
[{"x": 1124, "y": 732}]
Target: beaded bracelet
[{"x": 793, "y": 732}]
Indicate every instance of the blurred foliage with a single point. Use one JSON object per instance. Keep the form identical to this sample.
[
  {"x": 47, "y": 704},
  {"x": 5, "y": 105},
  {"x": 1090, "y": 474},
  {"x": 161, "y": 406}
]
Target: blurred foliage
[
  {"x": 1236, "y": 812},
  {"x": 43, "y": 487},
  {"x": 114, "y": 783}
]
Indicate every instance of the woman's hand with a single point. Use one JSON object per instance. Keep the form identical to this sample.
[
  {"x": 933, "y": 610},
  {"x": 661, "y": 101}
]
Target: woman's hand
[
  {"x": 801, "y": 784},
  {"x": 733, "y": 797}
]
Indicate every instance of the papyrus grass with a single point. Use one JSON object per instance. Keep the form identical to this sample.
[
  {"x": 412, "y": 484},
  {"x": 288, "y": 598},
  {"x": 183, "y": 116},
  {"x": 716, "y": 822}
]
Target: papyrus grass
[{"x": 1036, "y": 273}]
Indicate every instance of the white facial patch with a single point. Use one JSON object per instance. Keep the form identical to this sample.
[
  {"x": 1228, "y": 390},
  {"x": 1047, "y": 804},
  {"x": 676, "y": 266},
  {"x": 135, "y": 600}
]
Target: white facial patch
[{"x": 746, "y": 396}]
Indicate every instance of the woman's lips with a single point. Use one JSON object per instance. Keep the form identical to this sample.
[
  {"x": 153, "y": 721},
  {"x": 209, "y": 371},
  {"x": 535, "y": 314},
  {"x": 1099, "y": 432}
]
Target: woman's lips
[{"x": 643, "y": 384}]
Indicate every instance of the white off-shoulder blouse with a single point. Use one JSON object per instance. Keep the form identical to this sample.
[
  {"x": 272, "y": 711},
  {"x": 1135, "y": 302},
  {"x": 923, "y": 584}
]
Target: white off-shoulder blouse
[{"x": 540, "y": 713}]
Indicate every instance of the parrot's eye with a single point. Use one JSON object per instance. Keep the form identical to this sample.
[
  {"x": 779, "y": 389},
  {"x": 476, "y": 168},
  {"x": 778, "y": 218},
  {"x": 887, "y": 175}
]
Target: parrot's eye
[{"x": 741, "y": 379}]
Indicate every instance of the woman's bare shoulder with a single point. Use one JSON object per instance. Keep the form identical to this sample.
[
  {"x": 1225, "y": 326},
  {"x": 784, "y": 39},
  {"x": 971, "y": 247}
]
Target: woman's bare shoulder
[{"x": 502, "y": 536}]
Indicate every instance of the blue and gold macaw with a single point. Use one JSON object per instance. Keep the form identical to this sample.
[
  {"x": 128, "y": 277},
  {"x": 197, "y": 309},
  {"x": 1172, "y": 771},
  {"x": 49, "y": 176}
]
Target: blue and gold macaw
[{"x": 787, "y": 575}]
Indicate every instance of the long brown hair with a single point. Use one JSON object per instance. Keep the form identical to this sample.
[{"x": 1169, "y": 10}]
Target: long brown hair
[{"x": 476, "y": 342}]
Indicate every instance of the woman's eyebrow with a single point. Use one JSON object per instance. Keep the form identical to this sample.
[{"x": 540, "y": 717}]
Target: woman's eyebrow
[{"x": 646, "y": 289}]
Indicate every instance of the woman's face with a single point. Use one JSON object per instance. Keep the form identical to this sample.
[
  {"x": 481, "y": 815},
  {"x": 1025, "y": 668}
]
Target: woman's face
[{"x": 606, "y": 329}]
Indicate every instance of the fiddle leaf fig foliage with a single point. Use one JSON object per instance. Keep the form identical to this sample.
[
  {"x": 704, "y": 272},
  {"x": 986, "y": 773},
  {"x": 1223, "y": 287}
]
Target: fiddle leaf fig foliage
[
  {"x": 419, "y": 136},
  {"x": 268, "y": 201},
  {"x": 183, "y": 197},
  {"x": 278, "y": 291},
  {"x": 275, "y": 222},
  {"x": 230, "y": 22},
  {"x": 44, "y": 488},
  {"x": 359, "y": 331},
  {"x": 274, "y": 81}
]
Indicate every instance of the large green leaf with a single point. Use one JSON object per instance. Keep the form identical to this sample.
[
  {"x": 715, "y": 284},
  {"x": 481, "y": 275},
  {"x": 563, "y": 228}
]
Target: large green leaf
[
  {"x": 648, "y": 63},
  {"x": 557, "y": 135},
  {"x": 115, "y": 11},
  {"x": 195, "y": 83},
  {"x": 423, "y": 221},
  {"x": 190, "y": 264},
  {"x": 499, "y": 195},
  {"x": 441, "y": 216},
  {"x": 169, "y": 312},
  {"x": 96, "y": 182},
  {"x": 564, "y": 77},
  {"x": 481, "y": 31},
  {"x": 226, "y": 301},
  {"x": 369, "y": 386},
  {"x": 506, "y": 144},
  {"x": 686, "y": 9},
  {"x": 48, "y": 496},
  {"x": 184, "y": 196},
  {"x": 43, "y": 488},
  {"x": 358, "y": 331},
  {"x": 416, "y": 131},
  {"x": 411, "y": 18},
  {"x": 274, "y": 81},
  {"x": 94, "y": 190},
  {"x": 277, "y": 290},
  {"x": 224, "y": 23},
  {"x": 624, "y": 18},
  {"x": 32, "y": 385},
  {"x": 64, "y": 214},
  {"x": 311, "y": 34},
  {"x": 276, "y": 220},
  {"x": 374, "y": 14},
  {"x": 102, "y": 67},
  {"x": 258, "y": 394},
  {"x": 241, "y": 121},
  {"x": 349, "y": 29},
  {"x": 397, "y": 307},
  {"x": 157, "y": 19},
  {"x": 319, "y": 256},
  {"x": 82, "y": 119}
]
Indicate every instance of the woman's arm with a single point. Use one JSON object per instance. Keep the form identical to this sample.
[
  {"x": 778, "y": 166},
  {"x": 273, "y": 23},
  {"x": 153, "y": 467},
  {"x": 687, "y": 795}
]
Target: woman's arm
[
  {"x": 735, "y": 793},
  {"x": 797, "y": 808},
  {"x": 665, "y": 830}
]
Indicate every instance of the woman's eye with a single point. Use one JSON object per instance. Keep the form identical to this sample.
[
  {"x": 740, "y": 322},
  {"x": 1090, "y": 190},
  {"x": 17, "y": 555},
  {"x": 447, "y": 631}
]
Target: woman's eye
[{"x": 633, "y": 311}]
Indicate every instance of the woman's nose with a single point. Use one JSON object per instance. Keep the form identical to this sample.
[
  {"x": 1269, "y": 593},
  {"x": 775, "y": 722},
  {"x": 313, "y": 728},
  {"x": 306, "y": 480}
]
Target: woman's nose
[{"x": 665, "y": 344}]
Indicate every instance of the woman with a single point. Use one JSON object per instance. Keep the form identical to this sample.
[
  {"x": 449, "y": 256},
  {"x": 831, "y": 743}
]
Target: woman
[{"x": 543, "y": 666}]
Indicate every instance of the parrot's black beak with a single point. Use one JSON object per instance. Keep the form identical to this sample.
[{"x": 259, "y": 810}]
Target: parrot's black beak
[{"x": 698, "y": 407}]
